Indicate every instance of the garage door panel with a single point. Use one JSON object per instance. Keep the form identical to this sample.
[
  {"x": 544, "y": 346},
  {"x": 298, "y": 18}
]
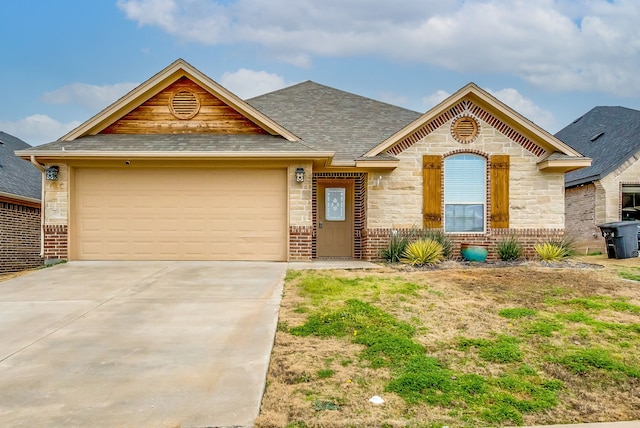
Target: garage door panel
[{"x": 181, "y": 214}]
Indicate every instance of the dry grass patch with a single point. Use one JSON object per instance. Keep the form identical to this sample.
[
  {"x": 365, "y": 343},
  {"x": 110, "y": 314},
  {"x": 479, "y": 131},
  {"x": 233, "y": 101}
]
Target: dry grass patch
[{"x": 461, "y": 346}]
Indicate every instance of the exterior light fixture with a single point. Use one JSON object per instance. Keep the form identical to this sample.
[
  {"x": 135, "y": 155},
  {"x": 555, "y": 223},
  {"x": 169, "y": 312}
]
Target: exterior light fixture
[
  {"x": 299, "y": 174},
  {"x": 52, "y": 172}
]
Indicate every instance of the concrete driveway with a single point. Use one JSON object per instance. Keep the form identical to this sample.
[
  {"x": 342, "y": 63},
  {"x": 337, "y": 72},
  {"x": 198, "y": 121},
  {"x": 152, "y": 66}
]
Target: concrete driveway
[{"x": 137, "y": 344}]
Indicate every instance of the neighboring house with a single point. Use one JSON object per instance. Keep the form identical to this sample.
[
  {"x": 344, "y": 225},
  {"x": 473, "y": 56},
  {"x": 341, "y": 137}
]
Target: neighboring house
[
  {"x": 609, "y": 190},
  {"x": 180, "y": 168},
  {"x": 20, "y": 192}
]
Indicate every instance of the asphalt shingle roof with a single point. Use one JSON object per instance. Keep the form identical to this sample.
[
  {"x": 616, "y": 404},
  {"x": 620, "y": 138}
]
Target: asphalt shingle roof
[
  {"x": 607, "y": 135},
  {"x": 331, "y": 119},
  {"x": 17, "y": 176}
]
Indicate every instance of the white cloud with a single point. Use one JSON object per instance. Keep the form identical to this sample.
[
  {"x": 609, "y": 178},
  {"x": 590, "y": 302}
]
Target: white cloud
[
  {"x": 249, "y": 83},
  {"x": 37, "y": 129},
  {"x": 432, "y": 100},
  {"x": 92, "y": 96},
  {"x": 525, "y": 107},
  {"x": 512, "y": 98},
  {"x": 555, "y": 44}
]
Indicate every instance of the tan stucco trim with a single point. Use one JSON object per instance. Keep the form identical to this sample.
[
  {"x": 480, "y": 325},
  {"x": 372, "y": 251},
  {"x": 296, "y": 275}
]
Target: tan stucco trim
[
  {"x": 563, "y": 165},
  {"x": 366, "y": 164},
  {"x": 157, "y": 83},
  {"x": 472, "y": 92}
]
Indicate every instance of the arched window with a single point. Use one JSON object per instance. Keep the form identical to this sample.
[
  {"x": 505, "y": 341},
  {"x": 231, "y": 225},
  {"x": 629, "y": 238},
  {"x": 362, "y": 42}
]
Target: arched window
[{"x": 465, "y": 195}]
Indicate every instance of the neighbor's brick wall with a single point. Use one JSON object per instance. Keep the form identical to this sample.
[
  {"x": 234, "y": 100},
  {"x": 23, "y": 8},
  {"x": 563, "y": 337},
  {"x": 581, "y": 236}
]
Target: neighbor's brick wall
[
  {"x": 377, "y": 239},
  {"x": 581, "y": 226},
  {"x": 19, "y": 237},
  {"x": 536, "y": 198}
]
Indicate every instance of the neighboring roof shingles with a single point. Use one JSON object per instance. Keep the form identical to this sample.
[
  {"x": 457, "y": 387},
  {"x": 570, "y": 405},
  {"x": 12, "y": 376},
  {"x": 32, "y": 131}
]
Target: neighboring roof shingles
[
  {"x": 177, "y": 143},
  {"x": 620, "y": 139},
  {"x": 17, "y": 177},
  {"x": 332, "y": 119}
]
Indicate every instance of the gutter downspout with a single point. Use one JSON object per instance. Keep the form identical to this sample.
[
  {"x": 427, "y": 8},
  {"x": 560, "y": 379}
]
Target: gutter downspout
[{"x": 41, "y": 168}]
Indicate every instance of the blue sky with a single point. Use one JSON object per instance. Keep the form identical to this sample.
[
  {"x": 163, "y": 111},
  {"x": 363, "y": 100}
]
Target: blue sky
[{"x": 551, "y": 60}]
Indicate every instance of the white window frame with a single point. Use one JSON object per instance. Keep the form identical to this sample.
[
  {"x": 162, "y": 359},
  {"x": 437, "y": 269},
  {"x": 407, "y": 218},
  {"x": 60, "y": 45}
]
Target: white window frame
[{"x": 473, "y": 201}]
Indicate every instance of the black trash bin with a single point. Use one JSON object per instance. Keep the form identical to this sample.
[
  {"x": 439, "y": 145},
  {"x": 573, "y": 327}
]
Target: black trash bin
[{"x": 621, "y": 238}]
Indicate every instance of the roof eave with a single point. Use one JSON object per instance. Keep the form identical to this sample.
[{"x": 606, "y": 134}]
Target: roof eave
[
  {"x": 91, "y": 154},
  {"x": 563, "y": 165},
  {"x": 24, "y": 200}
]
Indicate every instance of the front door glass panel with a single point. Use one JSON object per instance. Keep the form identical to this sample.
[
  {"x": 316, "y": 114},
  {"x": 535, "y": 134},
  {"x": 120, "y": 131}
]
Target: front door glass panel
[{"x": 335, "y": 204}]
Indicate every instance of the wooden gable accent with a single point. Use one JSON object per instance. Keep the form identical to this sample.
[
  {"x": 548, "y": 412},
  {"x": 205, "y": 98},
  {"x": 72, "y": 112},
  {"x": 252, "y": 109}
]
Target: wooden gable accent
[{"x": 183, "y": 108}]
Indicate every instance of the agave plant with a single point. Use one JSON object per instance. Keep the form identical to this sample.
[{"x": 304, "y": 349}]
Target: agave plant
[{"x": 422, "y": 252}]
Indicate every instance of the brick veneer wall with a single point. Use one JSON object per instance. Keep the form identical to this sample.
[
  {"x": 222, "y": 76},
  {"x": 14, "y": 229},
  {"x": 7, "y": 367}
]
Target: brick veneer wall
[
  {"x": 377, "y": 239},
  {"x": 300, "y": 242},
  {"x": 55, "y": 242},
  {"x": 19, "y": 237}
]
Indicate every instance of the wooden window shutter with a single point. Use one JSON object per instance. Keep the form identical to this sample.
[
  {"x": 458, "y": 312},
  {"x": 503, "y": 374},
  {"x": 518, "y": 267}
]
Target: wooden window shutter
[
  {"x": 432, "y": 192},
  {"x": 500, "y": 191}
]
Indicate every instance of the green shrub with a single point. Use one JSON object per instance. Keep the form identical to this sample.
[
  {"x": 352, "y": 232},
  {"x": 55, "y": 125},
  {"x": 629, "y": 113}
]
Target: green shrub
[
  {"x": 552, "y": 251},
  {"x": 509, "y": 249},
  {"x": 397, "y": 245},
  {"x": 422, "y": 252}
]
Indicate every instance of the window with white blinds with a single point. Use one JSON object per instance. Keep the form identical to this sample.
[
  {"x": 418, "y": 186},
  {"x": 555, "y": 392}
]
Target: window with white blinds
[{"x": 464, "y": 193}]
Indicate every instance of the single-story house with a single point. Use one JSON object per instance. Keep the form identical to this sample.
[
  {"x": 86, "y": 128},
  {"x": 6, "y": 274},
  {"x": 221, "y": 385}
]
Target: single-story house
[
  {"x": 20, "y": 192},
  {"x": 181, "y": 168},
  {"x": 608, "y": 190}
]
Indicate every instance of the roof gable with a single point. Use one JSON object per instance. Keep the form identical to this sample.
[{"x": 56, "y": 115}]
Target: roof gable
[
  {"x": 17, "y": 177},
  {"x": 476, "y": 102},
  {"x": 130, "y": 110},
  {"x": 608, "y": 135}
]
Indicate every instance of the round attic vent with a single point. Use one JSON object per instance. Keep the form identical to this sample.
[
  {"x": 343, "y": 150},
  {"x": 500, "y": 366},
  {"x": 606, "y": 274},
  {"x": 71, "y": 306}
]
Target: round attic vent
[
  {"x": 184, "y": 104},
  {"x": 465, "y": 129}
]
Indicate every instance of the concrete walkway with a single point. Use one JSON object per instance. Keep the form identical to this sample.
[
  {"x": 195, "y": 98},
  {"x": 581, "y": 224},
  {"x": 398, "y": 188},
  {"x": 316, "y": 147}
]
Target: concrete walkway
[
  {"x": 333, "y": 264},
  {"x": 133, "y": 344}
]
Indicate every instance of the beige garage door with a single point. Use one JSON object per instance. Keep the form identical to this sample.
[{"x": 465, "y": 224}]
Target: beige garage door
[{"x": 179, "y": 214}]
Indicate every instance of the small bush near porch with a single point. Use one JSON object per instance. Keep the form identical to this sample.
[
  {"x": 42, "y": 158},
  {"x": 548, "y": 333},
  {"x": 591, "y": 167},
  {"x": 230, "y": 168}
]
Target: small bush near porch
[{"x": 457, "y": 346}]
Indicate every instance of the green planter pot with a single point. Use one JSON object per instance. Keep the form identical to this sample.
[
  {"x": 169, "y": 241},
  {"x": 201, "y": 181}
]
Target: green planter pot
[{"x": 474, "y": 252}]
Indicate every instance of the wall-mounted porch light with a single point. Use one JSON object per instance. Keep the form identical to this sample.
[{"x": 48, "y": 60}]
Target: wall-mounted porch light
[
  {"x": 52, "y": 172},
  {"x": 299, "y": 174}
]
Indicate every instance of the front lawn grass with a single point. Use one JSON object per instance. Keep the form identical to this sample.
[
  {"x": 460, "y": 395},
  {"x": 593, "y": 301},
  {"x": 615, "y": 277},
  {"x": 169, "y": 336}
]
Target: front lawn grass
[{"x": 454, "y": 347}]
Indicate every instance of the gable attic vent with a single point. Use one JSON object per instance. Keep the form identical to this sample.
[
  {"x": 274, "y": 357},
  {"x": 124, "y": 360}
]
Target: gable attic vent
[
  {"x": 596, "y": 136},
  {"x": 465, "y": 129},
  {"x": 184, "y": 104}
]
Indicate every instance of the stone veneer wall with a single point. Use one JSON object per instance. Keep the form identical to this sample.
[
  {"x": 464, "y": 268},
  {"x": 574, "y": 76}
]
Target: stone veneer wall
[
  {"x": 580, "y": 218},
  {"x": 610, "y": 201},
  {"x": 56, "y": 211},
  {"x": 536, "y": 198},
  {"x": 19, "y": 237}
]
